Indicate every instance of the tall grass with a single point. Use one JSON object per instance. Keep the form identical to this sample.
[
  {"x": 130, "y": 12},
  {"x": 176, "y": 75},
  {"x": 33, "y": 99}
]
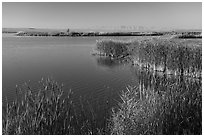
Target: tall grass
[
  {"x": 167, "y": 55},
  {"x": 48, "y": 111},
  {"x": 190, "y": 35},
  {"x": 113, "y": 48},
  {"x": 170, "y": 54},
  {"x": 164, "y": 107}
]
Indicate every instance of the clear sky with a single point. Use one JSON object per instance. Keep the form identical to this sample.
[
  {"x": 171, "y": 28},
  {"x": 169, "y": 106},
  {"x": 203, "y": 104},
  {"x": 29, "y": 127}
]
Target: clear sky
[{"x": 84, "y": 15}]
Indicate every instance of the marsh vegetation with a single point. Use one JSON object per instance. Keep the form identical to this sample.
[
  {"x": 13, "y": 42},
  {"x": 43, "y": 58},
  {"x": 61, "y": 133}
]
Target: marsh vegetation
[
  {"x": 160, "y": 105},
  {"x": 49, "y": 111},
  {"x": 171, "y": 56},
  {"x": 168, "y": 99}
]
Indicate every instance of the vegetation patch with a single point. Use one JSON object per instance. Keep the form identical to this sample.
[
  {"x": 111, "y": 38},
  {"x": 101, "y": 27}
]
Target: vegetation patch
[
  {"x": 113, "y": 48},
  {"x": 49, "y": 111},
  {"x": 173, "y": 108},
  {"x": 159, "y": 54}
]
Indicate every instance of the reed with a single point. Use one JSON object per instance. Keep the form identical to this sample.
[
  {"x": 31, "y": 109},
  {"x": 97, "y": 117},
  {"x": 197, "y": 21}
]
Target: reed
[
  {"x": 174, "y": 108},
  {"x": 190, "y": 35},
  {"x": 182, "y": 57},
  {"x": 113, "y": 48},
  {"x": 48, "y": 111},
  {"x": 165, "y": 106}
]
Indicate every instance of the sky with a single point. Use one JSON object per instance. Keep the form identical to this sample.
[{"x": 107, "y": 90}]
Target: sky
[{"x": 157, "y": 15}]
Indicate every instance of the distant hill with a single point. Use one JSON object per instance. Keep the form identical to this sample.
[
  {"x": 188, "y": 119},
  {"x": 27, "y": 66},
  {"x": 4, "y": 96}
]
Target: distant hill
[{"x": 14, "y": 30}]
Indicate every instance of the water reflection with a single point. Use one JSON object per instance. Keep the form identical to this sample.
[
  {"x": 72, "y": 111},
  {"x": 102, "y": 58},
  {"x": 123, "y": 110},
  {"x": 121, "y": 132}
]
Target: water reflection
[
  {"x": 111, "y": 63},
  {"x": 159, "y": 81}
]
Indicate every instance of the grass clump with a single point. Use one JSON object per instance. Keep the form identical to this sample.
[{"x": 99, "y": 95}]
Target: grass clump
[
  {"x": 169, "y": 54},
  {"x": 48, "y": 111},
  {"x": 182, "y": 57},
  {"x": 43, "y": 112},
  {"x": 165, "y": 108},
  {"x": 113, "y": 48}
]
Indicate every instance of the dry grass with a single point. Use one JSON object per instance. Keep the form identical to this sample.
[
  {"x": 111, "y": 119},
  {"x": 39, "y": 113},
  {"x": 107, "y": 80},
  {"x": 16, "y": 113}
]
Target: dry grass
[
  {"x": 48, "y": 111},
  {"x": 166, "y": 108},
  {"x": 182, "y": 57},
  {"x": 113, "y": 48}
]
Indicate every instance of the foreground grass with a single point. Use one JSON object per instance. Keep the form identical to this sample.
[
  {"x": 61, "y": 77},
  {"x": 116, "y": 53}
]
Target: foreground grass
[
  {"x": 174, "y": 108},
  {"x": 157, "y": 106},
  {"x": 48, "y": 111}
]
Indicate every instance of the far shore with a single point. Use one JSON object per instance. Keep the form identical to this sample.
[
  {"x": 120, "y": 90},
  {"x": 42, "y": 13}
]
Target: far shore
[{"x": 68, "y": 33}]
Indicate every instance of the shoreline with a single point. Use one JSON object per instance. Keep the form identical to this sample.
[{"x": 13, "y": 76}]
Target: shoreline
[{"x": 180, "y": 35}]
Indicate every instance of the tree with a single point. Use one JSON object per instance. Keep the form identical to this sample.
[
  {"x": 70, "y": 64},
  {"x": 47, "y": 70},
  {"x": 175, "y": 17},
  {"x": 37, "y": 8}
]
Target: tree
[{"x": 68, "y": 30}]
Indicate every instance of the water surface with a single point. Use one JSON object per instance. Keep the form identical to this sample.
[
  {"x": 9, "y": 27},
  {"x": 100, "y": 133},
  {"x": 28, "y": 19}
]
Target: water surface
[{"x": 67, "y": 60}]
